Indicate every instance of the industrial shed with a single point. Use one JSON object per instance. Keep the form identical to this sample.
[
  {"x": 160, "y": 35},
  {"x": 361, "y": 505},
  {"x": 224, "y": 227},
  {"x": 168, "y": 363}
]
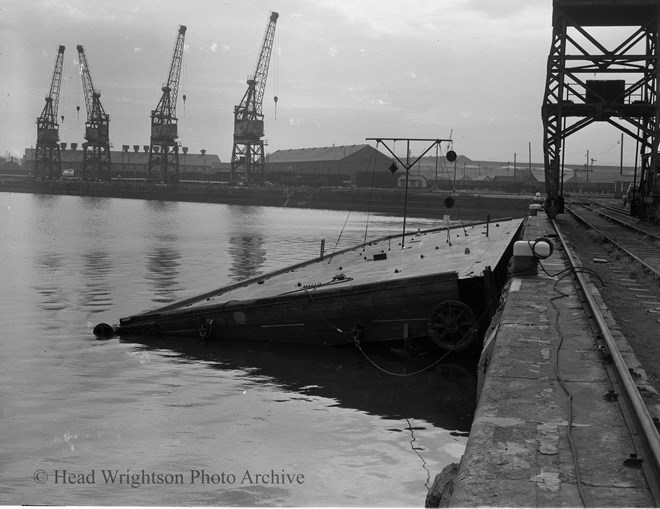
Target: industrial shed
[
  {"x": 332, "y": 166},
  {"x": 134, "y": 163}
]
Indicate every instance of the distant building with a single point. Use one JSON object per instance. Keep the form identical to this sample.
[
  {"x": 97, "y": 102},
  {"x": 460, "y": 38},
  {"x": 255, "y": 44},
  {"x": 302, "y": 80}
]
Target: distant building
[
  {"x": 518, "y": 176},
  {"x": 134, "y": 163},
  {"x": 414, "y": 181},
  {"x": 332, "y": 166},
  {"x": 10, "y": 167},
  {"x": 621, "y": 184}
]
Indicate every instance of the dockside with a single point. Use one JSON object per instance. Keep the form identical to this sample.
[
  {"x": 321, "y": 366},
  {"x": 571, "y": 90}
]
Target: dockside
[{"x": 549, "y": 429}]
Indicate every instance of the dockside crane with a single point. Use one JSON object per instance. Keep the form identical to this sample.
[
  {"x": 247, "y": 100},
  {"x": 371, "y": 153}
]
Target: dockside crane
[
  {"x": 164, "y": 148},
  {"x": 96, "y": 149},
  {"x": 595, "y": 81},
  {"x": 247, "y": 158},
  {"x": 47, "y": 158}
]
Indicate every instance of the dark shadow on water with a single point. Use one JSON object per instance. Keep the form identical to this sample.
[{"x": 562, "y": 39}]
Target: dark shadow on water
[{"x": 373, "y": 380}]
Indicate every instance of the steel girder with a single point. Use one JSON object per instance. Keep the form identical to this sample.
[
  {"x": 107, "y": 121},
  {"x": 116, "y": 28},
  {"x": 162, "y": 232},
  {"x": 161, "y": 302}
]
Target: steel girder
[
  {"x": 163, "y": 148},
  {"x": 164, "y": 159},
  {"x": 96, "y": 161},
  {"x": 48, "y": 162},
  {"x": 630, "y": 102},
  {"x": 248, "y": 160}
]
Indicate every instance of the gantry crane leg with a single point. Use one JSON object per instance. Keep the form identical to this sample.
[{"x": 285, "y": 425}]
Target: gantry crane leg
[{"x": 588, "y": 82}]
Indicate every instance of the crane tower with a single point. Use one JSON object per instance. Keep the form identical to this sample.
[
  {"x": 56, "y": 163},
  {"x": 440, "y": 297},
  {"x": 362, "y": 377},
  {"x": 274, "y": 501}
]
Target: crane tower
[
  {"x": 590, "y": 80},
  {"x": 164, "y": 148},
  {"x": 96, "y": 149},
  {"x": 247, "y": 158},
  {"x": 47, "y": 159}
]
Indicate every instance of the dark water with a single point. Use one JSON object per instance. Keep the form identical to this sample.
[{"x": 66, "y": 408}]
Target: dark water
[{"x": 156, "y": 423}]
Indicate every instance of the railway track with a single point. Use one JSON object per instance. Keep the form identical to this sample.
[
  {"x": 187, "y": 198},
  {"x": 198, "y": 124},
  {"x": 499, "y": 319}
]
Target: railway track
[
  {"x": 607, "y": 241},
  {"x": 639, "y": 241}
]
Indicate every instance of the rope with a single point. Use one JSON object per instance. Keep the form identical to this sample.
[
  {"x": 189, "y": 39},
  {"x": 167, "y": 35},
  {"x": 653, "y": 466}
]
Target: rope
[
  {"x": 371, "y": 191},
  {"x": 402, "y": 375},
  {"x": 412, "y": 446},
  {"x": 355, "y": 333},
  {"x": 569, "y": 395},
  {"x": 334, "y": 249},
  {"x": 339, "y": 237}
]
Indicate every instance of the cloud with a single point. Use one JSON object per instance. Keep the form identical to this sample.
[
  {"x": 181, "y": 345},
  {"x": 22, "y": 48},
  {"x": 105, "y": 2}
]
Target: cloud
[{"x": 213, "y": 47}]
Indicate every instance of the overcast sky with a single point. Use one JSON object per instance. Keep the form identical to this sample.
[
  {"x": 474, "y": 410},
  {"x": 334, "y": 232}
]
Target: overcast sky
[{"x": 343, "y": 71}]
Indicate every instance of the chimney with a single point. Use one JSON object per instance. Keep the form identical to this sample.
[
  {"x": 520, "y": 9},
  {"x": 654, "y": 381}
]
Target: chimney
[
  {"x": 203, "y": 151},
  {"x": 185, "y": 150},
  {"x": 145, "y": 148},
  {"x": 136, "y": 148},
  {"x": 63, "y": 145},
  {"x": 124, "y": 148},
  {"x": 74, "y": 146}
]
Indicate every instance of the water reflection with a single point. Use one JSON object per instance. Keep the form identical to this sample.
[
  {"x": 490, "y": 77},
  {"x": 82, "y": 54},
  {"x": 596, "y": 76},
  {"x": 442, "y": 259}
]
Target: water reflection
[
  {"x": 95, "y": 203},
  {"x": 246, "y": 242},
  {"x": 247, "y": 254},
  {"x": 162, "y": 265},
  {"x": 96, "y": 297},
  {"x": 163, "y": 255},
  {"x": 49, "y": 285},
  {"x": 443, "y": 395}
]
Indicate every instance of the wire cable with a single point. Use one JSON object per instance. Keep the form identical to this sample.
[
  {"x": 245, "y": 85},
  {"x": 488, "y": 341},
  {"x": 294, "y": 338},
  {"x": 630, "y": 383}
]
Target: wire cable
[{"x": 567, "y": 392}]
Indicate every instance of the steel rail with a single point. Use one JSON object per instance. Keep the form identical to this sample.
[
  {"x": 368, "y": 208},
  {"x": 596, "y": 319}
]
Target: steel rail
[
  {"x": 646, "y": 266},
  {"x": 621, "y": 222},
  {"x": 643, "y": 420}
]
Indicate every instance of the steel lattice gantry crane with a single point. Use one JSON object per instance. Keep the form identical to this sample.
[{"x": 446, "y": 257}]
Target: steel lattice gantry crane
[
  {"x": 588, "y": 82},
  {"x": 47, "y": 158},
  {"x": 96, "y": 149},
  {"x": 164, "y": 148},
  {"x": 247, "y": 158}
]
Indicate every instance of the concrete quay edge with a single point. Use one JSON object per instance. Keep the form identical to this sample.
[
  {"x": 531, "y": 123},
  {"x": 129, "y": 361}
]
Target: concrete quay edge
[{"x": 519, "y": 452}]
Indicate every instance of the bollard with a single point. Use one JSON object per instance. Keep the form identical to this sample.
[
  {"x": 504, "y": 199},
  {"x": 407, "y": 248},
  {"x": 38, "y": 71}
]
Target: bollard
[
  {"x": 534, "y": 209},
  {"x": 527, "y": 253}
]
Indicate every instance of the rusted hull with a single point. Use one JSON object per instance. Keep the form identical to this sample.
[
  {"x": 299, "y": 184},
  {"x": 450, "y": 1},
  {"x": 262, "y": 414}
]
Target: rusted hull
[
  {"x": 441, "y": 285},
  {"x": 365, "y": 313}
]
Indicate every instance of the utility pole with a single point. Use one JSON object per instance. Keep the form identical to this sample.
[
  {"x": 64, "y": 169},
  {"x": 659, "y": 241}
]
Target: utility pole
[
  {"x": 586, "y": 166},
  {"x": 621, "y": 160},
  {"x": 451, "y": 157}
]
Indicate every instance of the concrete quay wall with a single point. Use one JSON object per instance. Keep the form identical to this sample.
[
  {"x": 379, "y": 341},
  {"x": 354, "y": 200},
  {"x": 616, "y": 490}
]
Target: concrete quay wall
[
  {"x": 543, "y": 434},
  {"x": 468, "y": 206}
]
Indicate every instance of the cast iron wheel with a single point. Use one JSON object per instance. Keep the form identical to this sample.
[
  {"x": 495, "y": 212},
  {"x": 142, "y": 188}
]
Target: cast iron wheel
[{"x": 452, "y": 325}]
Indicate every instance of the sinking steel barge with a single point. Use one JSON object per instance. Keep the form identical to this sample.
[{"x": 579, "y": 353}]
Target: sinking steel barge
[{"x": 439, "y": 284}]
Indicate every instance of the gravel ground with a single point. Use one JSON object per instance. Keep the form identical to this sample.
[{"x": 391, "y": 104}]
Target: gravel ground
[{"x": 639, "y": 321}]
